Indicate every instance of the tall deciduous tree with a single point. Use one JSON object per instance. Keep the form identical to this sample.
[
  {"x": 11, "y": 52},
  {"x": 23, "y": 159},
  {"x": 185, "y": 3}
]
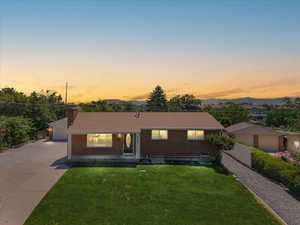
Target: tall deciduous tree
[
  {"x": 157, "y": 101},
  {"x": 229, "y": 115},
  {"x": 184, "y": 103},
  {"x": 286, "y": 116}
]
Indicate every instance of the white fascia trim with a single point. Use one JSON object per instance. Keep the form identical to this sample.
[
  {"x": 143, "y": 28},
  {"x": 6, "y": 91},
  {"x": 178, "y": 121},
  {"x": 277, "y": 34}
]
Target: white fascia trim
[
  {"x": 139, "y": 131},
  {"x": 181, "y": 128},
  {"x": 103, "y": 131}
]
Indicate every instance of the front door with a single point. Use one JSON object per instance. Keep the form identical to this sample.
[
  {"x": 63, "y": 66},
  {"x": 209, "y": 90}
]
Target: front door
[{"x": 129, "y": 143}]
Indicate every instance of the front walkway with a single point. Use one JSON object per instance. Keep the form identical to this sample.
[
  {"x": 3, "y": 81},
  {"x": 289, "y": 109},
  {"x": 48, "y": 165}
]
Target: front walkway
[
  {"x": 26, "y": 175},
  {"x": 287, "y": 207}
]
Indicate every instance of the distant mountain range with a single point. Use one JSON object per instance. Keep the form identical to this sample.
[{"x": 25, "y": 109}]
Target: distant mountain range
[{"x": 249, "y": 100}]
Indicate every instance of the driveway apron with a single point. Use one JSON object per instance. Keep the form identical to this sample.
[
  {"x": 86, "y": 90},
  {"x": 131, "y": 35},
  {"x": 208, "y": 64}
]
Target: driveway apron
[{"x": 26, "y": 175}]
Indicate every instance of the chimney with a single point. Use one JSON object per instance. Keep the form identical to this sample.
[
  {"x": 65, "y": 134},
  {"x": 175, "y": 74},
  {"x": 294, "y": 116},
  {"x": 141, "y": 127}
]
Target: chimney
[
  {"x": 71, "y": 114},
  {"x": 137, "y": 114}
]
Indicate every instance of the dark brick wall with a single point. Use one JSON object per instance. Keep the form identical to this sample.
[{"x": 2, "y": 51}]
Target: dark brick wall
[
  {"x": 176, "y": 145},
  {"x": 79, "y": 146}
]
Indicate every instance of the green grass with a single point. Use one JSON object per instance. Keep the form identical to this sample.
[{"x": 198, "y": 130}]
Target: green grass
[{"x": 149, "y": 195}]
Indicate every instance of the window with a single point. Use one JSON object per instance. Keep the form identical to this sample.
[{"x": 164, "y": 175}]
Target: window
[
  {"x": 195, "y": 135},
  {"x": 159, "y": 134},
  {"x": 99, "y": 140}
]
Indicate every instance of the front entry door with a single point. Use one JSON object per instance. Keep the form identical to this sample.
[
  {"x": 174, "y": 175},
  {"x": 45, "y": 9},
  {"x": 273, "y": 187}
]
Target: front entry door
[{"x": 128, "y": 143}]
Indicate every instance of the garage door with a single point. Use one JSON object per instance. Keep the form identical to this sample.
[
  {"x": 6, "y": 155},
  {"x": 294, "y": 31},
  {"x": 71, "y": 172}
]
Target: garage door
[{"x": 60, "y": 134}]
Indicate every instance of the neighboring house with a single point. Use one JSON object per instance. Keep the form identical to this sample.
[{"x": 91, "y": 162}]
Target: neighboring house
[
  {"x": 292, "y": 141},
  {"x": 129, "y": 136},
  {"x": 58, "y": 130},
  {"x": 264, "y": 138}
]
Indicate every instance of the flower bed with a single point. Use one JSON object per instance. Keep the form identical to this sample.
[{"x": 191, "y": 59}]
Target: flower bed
[{"x": 288, "y": 157}]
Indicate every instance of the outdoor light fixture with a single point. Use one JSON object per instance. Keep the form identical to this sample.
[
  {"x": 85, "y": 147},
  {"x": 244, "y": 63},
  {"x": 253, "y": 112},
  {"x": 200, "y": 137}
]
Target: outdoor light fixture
[{"x": 119, "y": 135}]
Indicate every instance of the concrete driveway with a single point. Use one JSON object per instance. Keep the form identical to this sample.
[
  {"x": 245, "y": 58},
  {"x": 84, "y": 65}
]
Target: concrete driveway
[{"x": 26, "y": 175}]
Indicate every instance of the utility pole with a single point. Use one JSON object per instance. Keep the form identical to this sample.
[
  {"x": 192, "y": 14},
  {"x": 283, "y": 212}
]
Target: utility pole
[{"x": 66, "y": 95}]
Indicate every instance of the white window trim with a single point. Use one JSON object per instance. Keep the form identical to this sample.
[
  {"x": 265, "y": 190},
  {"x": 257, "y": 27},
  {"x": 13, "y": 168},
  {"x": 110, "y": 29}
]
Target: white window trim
[
  {"x": 159, "y": 139},
  {"x": 195, "y": 139},
  {"x": 110, "y": 146}
]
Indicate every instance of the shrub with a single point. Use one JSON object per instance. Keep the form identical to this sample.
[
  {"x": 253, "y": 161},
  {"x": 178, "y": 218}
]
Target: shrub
[
  {"x": 277, "y": 169},
  {"x": 287, "y": 177},
  {"x": 221, "y": 143},
  {"x": 296, "y": 185},
  {"x": 17, "y": 130}
]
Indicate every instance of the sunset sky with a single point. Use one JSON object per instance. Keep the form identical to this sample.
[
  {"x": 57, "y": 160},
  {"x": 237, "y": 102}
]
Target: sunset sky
[{"x": 123, "y": 48}]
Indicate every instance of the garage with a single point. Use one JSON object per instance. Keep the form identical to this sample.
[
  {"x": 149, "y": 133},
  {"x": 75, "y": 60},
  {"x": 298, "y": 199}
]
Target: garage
[{"x": 58, "y": 130}]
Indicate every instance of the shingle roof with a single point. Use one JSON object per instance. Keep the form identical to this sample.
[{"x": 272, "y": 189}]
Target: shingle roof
[
  {"x": 250, "y": 128},
  {"x": 238, "y": 126},
  {"x": 126, "y": 121},
  {"x": 63, "y": 120}
]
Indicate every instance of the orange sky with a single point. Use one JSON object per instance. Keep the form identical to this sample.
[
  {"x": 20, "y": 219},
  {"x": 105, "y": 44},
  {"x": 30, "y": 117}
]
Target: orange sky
[{"x": 108, "y": 50}]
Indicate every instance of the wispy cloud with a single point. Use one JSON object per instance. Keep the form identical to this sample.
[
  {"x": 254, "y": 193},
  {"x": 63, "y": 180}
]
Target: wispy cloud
[
  {"x": 220, "y": 94},
  {"x": 296, "y": 94},
  {"x": 137, "y": 97},
  {"x": 274, "y": 83}
]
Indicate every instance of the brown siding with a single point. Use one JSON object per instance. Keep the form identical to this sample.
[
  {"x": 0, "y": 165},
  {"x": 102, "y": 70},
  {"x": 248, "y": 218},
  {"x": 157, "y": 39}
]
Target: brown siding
[
  {"x": 79, "y": 146},
  {"x": 176, "y": 145}
]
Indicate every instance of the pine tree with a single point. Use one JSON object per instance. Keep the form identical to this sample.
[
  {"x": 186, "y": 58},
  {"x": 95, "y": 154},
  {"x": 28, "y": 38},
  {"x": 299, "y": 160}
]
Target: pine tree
[{"x": 157, "y": 101}]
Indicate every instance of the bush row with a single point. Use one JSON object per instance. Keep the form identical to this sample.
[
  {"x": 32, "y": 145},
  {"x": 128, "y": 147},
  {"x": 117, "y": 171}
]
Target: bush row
[
  {"x": 17, "y": 129},
  {"x": 277, "y": 169}
]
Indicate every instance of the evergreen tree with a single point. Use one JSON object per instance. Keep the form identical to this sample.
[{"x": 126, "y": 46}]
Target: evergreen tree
[{"x": 157, "y": 101}]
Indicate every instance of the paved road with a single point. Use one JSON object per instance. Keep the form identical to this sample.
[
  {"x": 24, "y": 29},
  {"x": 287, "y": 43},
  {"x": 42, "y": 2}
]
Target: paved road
[
  {"x": 286, "y": 206},
  {"x": 26, "y": 174}
]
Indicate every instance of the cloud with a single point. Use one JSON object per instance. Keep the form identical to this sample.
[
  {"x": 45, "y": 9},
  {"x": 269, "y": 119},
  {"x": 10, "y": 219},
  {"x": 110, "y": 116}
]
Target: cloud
[
  {"x": 296, "y": 94},
  {"x": 219, "y": 94},
  {"x": 78, "y": 95},
  {"x": 137, "y": 97},
  {"x": 275, "y": 83}
]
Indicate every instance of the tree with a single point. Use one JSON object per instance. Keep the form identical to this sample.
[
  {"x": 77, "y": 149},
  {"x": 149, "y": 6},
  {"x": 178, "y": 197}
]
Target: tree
[
  {"x": 184, "y": 103},
  {"x": 283, "y": 117},
  {"x": 129, "y": 107},
  {"x": 97, "y": 106},
  {"x": 17, "y": 130},
  {"x": 157, "y": 101},
  {"x": 229, "y": 115},
  {"x": 39, "y": 107}
]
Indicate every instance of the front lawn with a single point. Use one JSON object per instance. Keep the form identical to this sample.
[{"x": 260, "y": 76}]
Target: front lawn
[{"x": 149, "y": 195}]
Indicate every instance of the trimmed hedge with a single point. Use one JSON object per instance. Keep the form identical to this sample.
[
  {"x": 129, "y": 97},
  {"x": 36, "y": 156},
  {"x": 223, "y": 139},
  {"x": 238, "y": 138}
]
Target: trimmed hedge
[{"x": 277, "y": 169}]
